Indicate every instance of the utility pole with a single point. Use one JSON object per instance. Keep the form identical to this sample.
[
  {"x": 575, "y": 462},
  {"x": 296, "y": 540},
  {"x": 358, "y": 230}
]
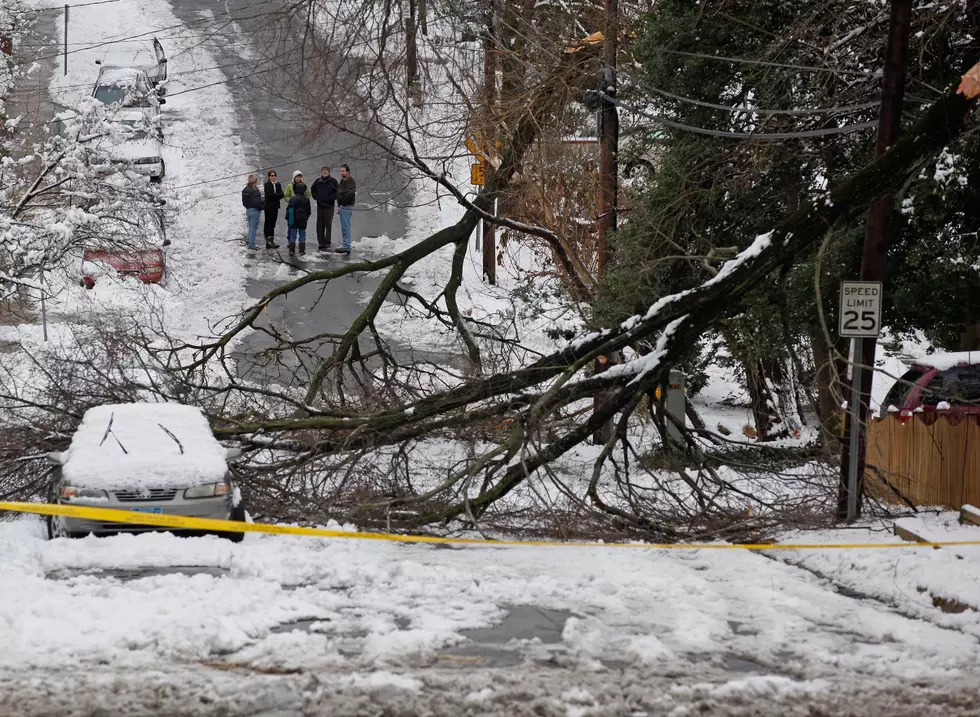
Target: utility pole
[
  {"x": 609, "y": 136},
  {"x": 66, "y": 39},
  {"x": 489, "y": 137},
  {"x": 608, "y": 167},
  {"x": 873, "y": 264},
  {"x": 412, "y": 54}
]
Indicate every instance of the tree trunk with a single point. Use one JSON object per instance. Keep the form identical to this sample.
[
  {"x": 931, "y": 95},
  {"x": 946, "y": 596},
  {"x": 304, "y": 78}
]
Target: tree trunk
[
  {"x": 764, "y": 379},
  {"x": 829, "y": 396}
]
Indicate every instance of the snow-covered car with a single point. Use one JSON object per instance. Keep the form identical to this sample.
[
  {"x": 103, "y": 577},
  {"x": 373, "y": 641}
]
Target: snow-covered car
[
  {"x": 147, "y": 56},
  {"x": 128, "y": 87},
  {"x": 144, "y": 457},
  {"x": 129, "y": 250},
  {"x": 141, "y": 146}
]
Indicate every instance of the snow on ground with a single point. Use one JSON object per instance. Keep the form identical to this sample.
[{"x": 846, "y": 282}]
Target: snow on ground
[
  {"x": 369, "y": 618},
  {"x": 206, "y": 277}
]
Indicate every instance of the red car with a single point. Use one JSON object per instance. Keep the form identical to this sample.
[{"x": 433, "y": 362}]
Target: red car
[
  {"x": 147, "y": 265},
  {"x": 944, "y": 382}
]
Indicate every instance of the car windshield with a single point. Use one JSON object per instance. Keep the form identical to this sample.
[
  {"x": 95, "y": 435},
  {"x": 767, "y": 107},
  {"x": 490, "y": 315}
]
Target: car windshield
[
  {"x": 896, "y": 395},
  {"x": 115, "y": 94},
  {"x": 958, "y": 386},
  {"x": 110, "y": 94}
]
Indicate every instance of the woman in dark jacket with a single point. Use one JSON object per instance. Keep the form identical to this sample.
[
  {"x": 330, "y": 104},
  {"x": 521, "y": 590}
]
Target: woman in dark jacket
[{"x": 273, "y": 195}]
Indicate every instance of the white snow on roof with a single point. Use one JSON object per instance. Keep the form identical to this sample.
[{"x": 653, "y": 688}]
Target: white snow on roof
[
  {"x": 121, "y": 76},
  {"x": 944, "y": 361},
  {"x": 151, "y": 458}
]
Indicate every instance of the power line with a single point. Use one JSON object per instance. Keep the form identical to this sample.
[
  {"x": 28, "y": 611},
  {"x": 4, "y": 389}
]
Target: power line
[
  {"x": 762, "y": 136},
  {"x": 754, "y": 111},
  {"x": 765, "y": 63},
  {"x": 143, "y": 35}
]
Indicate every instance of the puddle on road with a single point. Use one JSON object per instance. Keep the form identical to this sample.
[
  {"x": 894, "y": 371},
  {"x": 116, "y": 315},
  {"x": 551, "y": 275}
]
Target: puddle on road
[
  {"x": 128, "y": 574},
  {"x": 523, "y": 622}
]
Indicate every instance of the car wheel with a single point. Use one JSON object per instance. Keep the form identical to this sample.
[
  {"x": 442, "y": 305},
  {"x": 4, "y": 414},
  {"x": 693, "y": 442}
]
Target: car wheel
[
  {"x": 237, "y": 513},
  {"x": 56, "y": 529}
]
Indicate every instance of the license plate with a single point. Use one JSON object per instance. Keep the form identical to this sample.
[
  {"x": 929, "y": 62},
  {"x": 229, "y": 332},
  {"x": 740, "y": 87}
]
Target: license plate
[{"x": 147, "y": 510}]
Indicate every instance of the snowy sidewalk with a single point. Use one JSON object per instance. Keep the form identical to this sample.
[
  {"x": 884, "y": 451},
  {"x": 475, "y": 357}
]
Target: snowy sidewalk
[{"x": 363, "y": 621}]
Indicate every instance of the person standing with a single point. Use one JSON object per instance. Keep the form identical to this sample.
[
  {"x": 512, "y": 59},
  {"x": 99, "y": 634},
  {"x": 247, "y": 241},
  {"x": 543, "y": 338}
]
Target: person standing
[
  {"x": 324, "y": 193},
  {"x": 298, "y": 213},
  {"x": 273, "y": 197},
  {"x": 346, "y": 195},
  {"x": 291, "y": 189},
  {"x": 252, "y": 201}
]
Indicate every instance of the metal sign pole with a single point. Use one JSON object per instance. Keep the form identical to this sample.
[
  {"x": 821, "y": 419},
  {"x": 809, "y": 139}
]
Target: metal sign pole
[{"x": 854, "y": 407}]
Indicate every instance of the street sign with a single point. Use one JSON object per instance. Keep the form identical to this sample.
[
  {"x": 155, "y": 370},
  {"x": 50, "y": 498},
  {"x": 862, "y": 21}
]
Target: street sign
[
  {"x": 860, "y": 309},
  {"x": 478, "y": 174}
]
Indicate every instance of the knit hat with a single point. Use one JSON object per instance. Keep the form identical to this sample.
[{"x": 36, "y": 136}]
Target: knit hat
[
  {"x": 297, "y": 173},
  {"x": 325, "y": 167}
]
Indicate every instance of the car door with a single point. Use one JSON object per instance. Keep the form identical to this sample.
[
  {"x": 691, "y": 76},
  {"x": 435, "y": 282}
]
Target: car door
[{"x": 161, "y": 72}]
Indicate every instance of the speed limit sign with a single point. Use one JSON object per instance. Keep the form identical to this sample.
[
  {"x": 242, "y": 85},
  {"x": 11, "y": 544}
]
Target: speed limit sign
[{"x": 860, "y": 309}]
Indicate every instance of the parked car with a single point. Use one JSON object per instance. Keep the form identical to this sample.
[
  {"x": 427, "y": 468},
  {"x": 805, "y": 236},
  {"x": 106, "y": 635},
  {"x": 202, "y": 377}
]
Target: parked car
[
  {"x": 141, "y": 146},
  {"x": 147, "y": 56},
  {"x": 145, "y": 457},
  {"x": 130, "y": 250},
  {"x": 128, "y": 87},
  {"x": 943, "y": 381}
]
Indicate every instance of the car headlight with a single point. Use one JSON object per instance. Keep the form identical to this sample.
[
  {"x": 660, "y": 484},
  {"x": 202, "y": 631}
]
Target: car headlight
[
  {"x": 70, "y": 492},
  {"x": 208, "y": 490}
]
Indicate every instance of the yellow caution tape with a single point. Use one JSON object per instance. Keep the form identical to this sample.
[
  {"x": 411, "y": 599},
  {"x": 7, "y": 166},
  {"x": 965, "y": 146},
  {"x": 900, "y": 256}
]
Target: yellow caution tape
[{"x": 183, "y": 522}]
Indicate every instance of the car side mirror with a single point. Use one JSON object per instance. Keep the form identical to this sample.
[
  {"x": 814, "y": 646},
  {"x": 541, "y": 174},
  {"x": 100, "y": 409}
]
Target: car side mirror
[
  {"x": 55, "y": 458},
  {"x": 232, "y": 453}
]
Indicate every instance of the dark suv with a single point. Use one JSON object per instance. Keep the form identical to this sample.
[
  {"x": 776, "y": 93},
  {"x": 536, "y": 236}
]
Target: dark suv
[{"x": 942, "y": 381}]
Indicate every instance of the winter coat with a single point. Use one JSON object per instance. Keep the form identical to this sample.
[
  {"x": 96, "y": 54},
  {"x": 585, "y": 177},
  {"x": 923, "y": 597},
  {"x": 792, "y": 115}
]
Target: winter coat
[
  {"x": 345, "y": 196},
  {"x": 252, "y": 197},
  {"x": 273, "y": 195},
  {"x": 299, "y": 209},
  {"x": 324, "y": 191},
  {"x": 291, "y": 190}
]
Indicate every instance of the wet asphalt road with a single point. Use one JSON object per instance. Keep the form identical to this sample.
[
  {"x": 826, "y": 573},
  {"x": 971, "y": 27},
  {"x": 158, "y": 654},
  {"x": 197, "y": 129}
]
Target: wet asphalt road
[{"x": 280, "y": 138}]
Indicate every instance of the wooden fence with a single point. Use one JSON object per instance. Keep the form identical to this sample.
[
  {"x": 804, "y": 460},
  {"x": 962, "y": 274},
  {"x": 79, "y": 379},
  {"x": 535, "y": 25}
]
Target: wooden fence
[{"x": 929, "y": 458}]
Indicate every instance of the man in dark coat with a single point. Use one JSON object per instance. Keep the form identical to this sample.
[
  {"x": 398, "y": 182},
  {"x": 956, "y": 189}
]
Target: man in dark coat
[
  {"x": 298, "y": 214},
  {"x": 273, "y": 195},
  {"x": 252, "y": 201},
  {"x": 324, "y": 191},
  {"x": 346, "y": 196}
]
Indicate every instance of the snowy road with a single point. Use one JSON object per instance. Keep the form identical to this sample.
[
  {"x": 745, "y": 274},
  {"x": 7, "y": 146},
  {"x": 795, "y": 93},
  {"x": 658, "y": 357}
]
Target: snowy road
[
  {"x": 154, "y": 624},
  {"x": 277, "y": 138}
]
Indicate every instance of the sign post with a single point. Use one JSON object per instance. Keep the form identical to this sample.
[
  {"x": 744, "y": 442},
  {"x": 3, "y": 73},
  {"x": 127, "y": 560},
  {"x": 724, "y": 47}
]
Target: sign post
[
  {"x": 860, "y": 318},
  {"x": 478, "y": 178}
]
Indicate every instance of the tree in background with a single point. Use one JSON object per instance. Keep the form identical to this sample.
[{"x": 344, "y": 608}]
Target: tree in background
[{"x": 805, "y": 75}]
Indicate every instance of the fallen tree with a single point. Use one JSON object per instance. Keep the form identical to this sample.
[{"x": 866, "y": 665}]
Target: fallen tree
[{"x": 528, "y": 398}]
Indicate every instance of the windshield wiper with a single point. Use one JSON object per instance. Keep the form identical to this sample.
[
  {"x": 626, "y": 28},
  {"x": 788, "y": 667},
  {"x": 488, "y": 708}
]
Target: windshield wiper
[
  {"x": 176, "y": 440},
  {"x": 108, "y": 430}
]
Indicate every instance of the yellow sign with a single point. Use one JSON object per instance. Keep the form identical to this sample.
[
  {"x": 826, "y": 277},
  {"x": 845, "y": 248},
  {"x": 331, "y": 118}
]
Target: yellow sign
[
  {"x": 473, "y": 144},
  {"x": 159, "y": 520},
  {"x": 478, "y": 174}
]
